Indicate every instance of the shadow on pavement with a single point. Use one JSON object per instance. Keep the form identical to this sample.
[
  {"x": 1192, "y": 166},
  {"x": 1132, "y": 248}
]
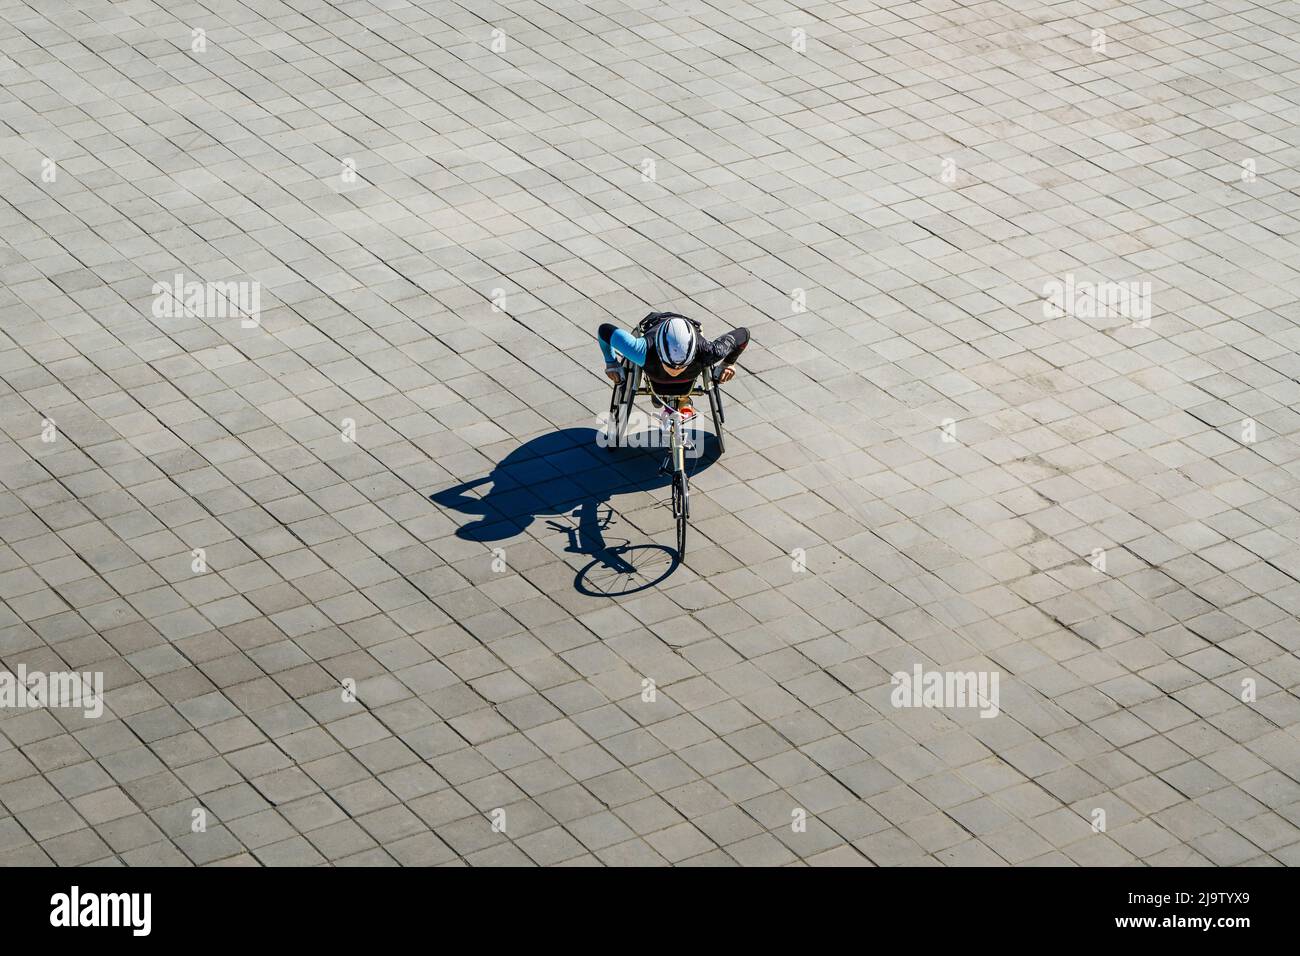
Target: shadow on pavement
[{"x": 567, "y": 474}]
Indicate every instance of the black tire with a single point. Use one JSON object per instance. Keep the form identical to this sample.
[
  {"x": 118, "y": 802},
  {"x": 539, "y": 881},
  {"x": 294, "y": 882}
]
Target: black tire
[
  {"x": 620, "y": 408},
  {"x": 682, "y": 509},
  {"x": 612, "y": 425},
  {"x": 715, "y": 405},
  {"x": 631, "y": 382}
]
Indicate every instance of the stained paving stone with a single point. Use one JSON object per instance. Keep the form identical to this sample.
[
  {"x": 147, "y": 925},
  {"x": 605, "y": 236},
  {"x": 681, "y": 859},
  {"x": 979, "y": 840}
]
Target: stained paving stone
[{"x": 349, "y": 562}]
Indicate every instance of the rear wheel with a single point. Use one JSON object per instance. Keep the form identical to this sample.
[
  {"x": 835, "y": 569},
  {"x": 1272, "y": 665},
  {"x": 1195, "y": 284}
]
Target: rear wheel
[
  {"x": 612, "y": 426},
  {"x": 715, "y": 405},
  {"x": 631, "y": 382},
  {"x": 620, "y": 407}
]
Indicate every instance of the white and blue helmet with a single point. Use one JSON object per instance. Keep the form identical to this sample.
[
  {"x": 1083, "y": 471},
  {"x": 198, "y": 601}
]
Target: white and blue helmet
[{"x": 675, "y": 342}]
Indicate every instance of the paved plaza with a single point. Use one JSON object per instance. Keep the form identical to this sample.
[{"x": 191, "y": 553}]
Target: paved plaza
[{"x": 301, "y": 400}]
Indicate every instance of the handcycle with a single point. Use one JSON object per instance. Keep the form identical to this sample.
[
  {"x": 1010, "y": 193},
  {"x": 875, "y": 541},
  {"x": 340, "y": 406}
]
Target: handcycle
[{"x": 634, "y": 383}]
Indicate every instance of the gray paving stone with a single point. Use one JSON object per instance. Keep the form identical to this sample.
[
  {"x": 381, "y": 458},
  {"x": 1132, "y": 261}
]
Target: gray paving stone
[{"x": 924, "y": 466}]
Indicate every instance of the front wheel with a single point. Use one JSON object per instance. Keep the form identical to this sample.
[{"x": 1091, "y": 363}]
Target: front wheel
[{"x": 682, "y": 511}]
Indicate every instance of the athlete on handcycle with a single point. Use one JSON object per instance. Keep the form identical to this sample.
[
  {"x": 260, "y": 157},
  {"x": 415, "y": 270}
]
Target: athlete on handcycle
[{"x": 672, "y": 351}]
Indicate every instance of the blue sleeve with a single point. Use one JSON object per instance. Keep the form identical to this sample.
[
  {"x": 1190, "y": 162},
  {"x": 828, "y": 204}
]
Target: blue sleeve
[{"x": 626, "y": 344}]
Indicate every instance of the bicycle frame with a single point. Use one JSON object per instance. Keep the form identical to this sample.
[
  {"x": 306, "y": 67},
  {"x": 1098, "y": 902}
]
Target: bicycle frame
[
  {"x": 632, "y": 385},
  {"x": 676, "y": 445},
  {"x": 680, "y": 479},
  {"x": 620, "y": 406}
]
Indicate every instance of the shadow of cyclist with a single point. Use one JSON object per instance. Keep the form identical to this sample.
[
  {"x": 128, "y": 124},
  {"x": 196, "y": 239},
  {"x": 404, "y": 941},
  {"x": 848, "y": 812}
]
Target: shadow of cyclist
[{"x": 562, "y": 473}]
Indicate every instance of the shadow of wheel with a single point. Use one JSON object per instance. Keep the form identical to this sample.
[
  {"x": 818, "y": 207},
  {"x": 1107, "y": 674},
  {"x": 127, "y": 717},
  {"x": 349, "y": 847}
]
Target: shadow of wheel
[{"x": 626, "y": 570}]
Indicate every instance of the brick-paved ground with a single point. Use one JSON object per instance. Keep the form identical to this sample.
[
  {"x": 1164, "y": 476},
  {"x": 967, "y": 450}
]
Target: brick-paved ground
[{"x": 520, "y": 173}]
